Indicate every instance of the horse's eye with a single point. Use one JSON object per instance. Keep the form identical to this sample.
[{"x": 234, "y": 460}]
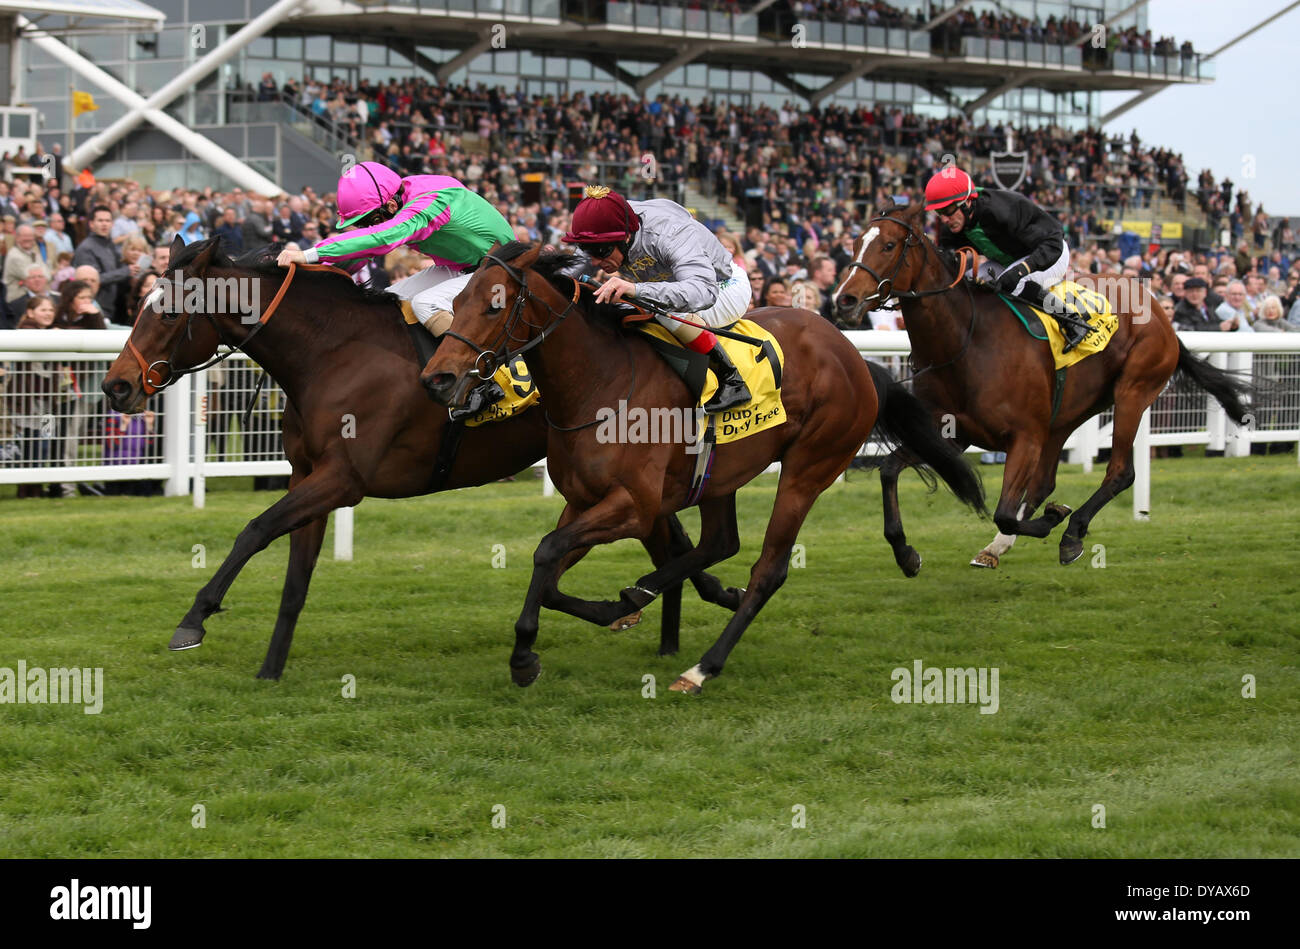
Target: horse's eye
[{"x": 891, "y": 245}]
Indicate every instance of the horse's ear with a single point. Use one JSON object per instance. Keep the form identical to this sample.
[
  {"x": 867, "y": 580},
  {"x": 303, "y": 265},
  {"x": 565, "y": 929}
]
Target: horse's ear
[
  {"x": 916, "y": 208},
  {"x": 203, "y": 260},
  {"x": 528, "y": 257},
  {"x": 177, "y": 246}
]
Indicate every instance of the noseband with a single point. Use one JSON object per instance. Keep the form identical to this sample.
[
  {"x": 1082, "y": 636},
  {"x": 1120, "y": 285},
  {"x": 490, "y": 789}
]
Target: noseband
[
  {"x": 488, "y": 361},
  {"x": 885, "y": 285}
]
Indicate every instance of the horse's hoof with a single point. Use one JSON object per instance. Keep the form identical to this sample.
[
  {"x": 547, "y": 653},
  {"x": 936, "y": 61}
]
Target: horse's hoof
[
  {"x": 1071, "y": 550},
  {"x": 686, "y": 686},
  {"x": 637, "y": 597},
  {"x": 910, "y": 563},
  {"x": 1057, "y": 512},
  {"x": 985, "y": 559},
  {"x": 665, "y": 653},
  {"x": 731, "y": 597},
  {"x": 627, "y": 622},
  {"x": 524, "y": 676},
  {"x": 268, "y": 674},
  {"x": 186, "y": 637}
]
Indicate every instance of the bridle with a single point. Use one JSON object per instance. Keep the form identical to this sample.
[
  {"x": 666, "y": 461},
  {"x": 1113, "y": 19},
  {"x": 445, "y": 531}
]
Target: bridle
[
  {"x": 501, "y": 355},
  {"x": 172, "y": 374},
  {"x": 488, "y": 361},
  {"x": 884, "y": 286}
]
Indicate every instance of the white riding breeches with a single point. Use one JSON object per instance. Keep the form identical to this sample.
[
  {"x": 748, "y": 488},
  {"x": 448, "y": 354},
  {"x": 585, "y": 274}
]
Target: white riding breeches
[
  {"x": 431, "y": 289},
  {"x": 990, "y": 270},
  {"x": 732, "y": 302}
]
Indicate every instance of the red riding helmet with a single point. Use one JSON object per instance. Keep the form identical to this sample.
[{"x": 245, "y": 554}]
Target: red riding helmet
[
  {"x": 602, "y": 217},
  {"x": 950, "y": 186}
]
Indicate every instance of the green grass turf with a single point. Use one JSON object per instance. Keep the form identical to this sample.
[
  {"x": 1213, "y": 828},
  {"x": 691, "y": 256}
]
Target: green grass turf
[{"x": 1119, "y": 686}]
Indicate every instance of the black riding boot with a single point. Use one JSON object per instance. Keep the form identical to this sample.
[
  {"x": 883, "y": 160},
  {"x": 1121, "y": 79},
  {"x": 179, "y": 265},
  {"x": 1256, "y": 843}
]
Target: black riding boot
[
  {"x": 1073, "y": 326},
  {"x": 732, "y": 390}
]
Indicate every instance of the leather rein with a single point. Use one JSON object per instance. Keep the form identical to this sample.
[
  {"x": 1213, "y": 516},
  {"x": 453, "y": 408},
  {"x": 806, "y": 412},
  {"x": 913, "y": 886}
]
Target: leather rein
[
  {"x": 885, "y": 286},
  {"x": 147, "y": 369}
]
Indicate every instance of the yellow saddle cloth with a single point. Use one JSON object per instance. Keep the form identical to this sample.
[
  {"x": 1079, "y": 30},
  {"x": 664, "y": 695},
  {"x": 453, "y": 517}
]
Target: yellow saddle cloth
[
  {"x": 520, "y": 393},
  {"x": 1098, "y": 312},
  {"x": 514, "y": 380},
  {"x": 760, "y": 367}
]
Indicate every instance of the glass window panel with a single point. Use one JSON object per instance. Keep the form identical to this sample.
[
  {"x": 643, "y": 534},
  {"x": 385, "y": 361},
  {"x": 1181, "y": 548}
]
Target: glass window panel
[
  {"x": 263, "y": 47},
  {"x": 346, "y": 51},
  {"x": 52, "y": 114},
  {"x": 150, "y": 77},
  {"x": 697, "y": 74},
  {"x": 579, "y": 69},
  {"x": 102, "y": 47},
  {"x": 288, "y": 47},
  {"x": 374, "y": 54},
  {"x": 505, "y": 61},
  {"x": 43, "y": 83},
  {"x": 399, "y": 59},
  {"x": 318, "y": 48},
  {"x": 530, "y": 64}
]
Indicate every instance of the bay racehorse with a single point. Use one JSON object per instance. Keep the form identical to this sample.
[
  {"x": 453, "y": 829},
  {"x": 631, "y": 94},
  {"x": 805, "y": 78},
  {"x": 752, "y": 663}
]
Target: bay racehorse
[
  {"x": 521, "y": 302},
  {"x": 994, "y": 385},
  {"x": 357, "y": 424}
]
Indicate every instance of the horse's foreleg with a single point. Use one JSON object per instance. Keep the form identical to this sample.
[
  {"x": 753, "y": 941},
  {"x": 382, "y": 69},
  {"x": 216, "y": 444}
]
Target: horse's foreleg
[
  {"x": 616, "y": 516},
  {"x": 1041, "y": 486},
  {"x": 908, "y": 560},
  {"x": 304, "y": 548},
  {"x": 325, "y": 489}
]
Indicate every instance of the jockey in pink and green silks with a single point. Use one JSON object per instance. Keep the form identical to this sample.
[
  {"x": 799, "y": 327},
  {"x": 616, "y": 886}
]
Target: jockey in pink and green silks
[{"x": 433, "y": 214}]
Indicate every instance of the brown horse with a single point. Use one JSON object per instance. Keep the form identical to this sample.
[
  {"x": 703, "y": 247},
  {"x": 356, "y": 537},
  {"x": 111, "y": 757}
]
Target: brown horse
[
  {"x": 986, "y": 378},
  {"x": 584, "y": 364},
  {"x": 342, "y": 356}
]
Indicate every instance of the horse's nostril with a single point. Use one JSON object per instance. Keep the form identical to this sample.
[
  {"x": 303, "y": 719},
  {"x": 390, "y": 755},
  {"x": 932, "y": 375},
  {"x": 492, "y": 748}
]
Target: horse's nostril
[{"x": 846, "y": 302}]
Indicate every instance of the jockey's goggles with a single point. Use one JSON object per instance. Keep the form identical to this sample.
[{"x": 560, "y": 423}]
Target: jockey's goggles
[
  {"x": 377, "y": 216},
  {"x": 949, "y": 210},
  {"x": 600, "y": 250}
]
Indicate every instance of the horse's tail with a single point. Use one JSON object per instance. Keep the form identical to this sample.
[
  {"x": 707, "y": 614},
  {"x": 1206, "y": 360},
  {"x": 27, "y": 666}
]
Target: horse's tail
[
  {"x": 1227, "y": 388},
  {"x": 902, "y": 421}
]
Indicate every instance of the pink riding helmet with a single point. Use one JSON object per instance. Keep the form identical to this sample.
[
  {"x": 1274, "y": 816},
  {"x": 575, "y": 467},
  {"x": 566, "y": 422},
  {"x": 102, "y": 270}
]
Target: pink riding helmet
[{"x": 365, "y": 187}]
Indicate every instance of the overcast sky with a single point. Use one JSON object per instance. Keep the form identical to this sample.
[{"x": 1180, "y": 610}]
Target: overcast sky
[{"x": 1250, "y": 108}]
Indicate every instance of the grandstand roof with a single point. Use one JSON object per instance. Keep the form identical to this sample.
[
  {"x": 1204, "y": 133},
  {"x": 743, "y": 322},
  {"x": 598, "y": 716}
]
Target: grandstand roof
[
  {"x": 609, "y": 32},
  {"x": 112, "y": 9}
]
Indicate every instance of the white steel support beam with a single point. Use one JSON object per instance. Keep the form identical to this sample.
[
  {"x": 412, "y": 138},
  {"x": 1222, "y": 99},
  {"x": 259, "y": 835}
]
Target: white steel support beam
[
  {"x": 839, "y": 82},
  {"x": 945, "y": 14},
  {"x": 690, "y": 52},
  {"x": 95, "y": 148},
  {"x": 1144, "y": 96},
  {"x": 216, "y": 156},
  {"x": 1110, "y": 21},
  {"x": 1013, "y": 83},
  {"x": 483, "y": 44}
]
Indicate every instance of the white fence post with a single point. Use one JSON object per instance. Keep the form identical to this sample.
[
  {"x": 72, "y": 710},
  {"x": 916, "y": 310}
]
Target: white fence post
[
  {"x": 200, "y": 437},
  {"x": 343, "y": 521},
  {"x": 1142, "y": 469},
  {"x": 548, "y": 486},
  {"x": 176, "y": 437},
  {"x": 1089, "y": 435},
  {"x": 1216, "y": 420},
  {"x": 1238, "y": 440}
]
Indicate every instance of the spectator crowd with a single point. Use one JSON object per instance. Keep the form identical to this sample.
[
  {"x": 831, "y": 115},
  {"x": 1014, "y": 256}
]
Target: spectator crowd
[{"x": 80, "y": 253}]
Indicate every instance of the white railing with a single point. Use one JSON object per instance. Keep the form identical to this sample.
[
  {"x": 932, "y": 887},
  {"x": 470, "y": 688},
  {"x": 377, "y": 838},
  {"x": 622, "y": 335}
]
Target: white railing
[{"x": 54, "y": 429}]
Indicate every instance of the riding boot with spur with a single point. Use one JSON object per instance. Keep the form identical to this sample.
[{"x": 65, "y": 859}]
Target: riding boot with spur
[
  {"x": 732, "y": 390},
  {"x": 1073, "y": 326}
]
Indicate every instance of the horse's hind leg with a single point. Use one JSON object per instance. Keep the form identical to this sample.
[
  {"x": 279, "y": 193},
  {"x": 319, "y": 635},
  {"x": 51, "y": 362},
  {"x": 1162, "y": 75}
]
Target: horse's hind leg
[
  {"x": 795, "y": 495},
  {"x": 325, "y": 489},
  {"x": 908, "y": 560},
  {"x": 1130, "y": 403},
  {"x": 304, "y": 548},
  {"x": 709, "y": 587}
]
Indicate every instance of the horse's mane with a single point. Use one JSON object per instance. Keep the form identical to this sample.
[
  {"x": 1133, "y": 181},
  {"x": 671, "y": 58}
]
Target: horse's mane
[
  {"x": 262, "y": 261},
  {"x": 551, "y": 264}
]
